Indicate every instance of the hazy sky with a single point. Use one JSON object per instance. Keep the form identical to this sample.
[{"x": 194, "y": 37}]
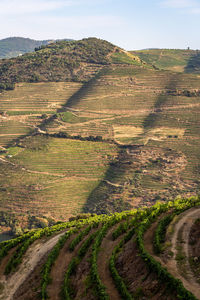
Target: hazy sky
[{"x": 130, "y": 24}]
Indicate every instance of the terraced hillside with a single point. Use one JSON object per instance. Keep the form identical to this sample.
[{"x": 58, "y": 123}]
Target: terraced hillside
[
  {"x": 30, "y": 104},
  {"x": 124, "y": 137},
  {"x": 137, "y": 254},
  {"x": 172, "y": 59},
  {"x": 154, "y": 118},
  {"x": 27, "y": 182},
  {"x": 51, "y": 178},
  {"x": 75, "y": 61}
]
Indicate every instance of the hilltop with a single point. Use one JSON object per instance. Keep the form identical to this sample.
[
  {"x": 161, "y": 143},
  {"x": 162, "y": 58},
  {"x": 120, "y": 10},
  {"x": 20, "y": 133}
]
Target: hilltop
[
  {"x": 75, "y": 61},
  {"x": 177, "y": 60}
]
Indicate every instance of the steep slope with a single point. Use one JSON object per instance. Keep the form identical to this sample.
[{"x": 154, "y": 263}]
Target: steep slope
[
  {"x": 132, "y": 255},
  {"x": 137, "y": 125},
  {"x": 61, "y": 61},
  {"x": 28, "y": 108},
  {"x": 154, "y": 117}
]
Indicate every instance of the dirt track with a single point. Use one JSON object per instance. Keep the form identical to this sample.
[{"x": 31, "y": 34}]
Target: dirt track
[
  {"x": 184, "y": 223},
  {"x": 30, "y": 261},
  {"x": 105, "y": 253}
]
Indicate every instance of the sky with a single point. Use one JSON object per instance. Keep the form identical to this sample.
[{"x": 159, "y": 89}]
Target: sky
[{"x": 130, "y": 24}]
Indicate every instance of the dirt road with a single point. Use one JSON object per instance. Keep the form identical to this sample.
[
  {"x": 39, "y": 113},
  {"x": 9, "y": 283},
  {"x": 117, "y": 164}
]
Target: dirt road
[
  {"x": 184, "y": 224},
  {"x": 30, "y": 261}
]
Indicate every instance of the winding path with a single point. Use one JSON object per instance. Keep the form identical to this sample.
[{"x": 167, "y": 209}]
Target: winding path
[
  {"x": 183, "y": 226},
  {"x": 30, "y": 261}
]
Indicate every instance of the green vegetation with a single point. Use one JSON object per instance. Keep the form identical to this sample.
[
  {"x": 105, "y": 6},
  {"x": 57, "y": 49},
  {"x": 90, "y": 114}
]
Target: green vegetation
[
  {"x": 67, "y": 291},
  {"x": 7, "y": 245},
  {"x": 98, "y": 286},
  {"x": 22, "y": 248},
  {"x": 80, "y": 236},
  {"x": 125, "y": 58},
  {"x": 155, "y": 266},
  {"x": 70, "y": 117},
  {"x": 171, "y": 59},
  {"x": 92, "y": 128},
  {"x": 119, "y": 282},
  {"x": 51, "y": 258},
  {"x": 14, "y": 46},
  {"x": 60, "y": 61},
  {"x": 55, "y": 252},
  {"x": 152, "y": 115},
  {"x": 57, "y": 174},
  {"x": 159, "y": 236},
  {"x": 88, "y": 241}
]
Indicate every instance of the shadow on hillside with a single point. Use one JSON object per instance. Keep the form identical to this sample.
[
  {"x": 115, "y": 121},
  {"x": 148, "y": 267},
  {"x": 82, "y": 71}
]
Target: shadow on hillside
[
  {"x": 75, "y": 98},
  {"x": 105, "y": 198},
  {"x": 84, "y": 90},
  {"x": 72, "y": 101},
  {"x": 193, "y": 65},
  {"x": 151, "y": 120},
  {"x": 99, "y": 200}
]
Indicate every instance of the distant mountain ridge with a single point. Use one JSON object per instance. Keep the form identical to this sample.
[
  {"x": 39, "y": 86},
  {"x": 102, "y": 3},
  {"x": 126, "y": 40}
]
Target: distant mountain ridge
[{"x": 15, "y": 46}]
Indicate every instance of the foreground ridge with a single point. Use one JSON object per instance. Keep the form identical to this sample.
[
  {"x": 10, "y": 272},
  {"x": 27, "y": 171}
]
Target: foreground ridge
[{"x": 129, "y": 255}]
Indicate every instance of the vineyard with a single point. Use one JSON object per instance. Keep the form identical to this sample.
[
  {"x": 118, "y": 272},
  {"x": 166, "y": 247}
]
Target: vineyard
[
  {"x": 171, "y": 59},
  {"x": 134, "y": 254},
  {"x": 86, "y": 127}
]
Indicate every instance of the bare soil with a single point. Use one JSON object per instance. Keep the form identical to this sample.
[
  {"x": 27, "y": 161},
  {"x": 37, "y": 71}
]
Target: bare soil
[
  {"x": 142, "y": 283},
  {"x": 31, "y": 259},
  {"x": 184, "y": 223},
  {"x": 58, "y": 271},
  {"x": 31, "y": 287},
  {"x": 81, "y": 280},
  {"x": 5, "y": 260},
  {"x": 104, "y": 255},
  {"x": 194, "y": 246},
  {"x": 194, "y": 239},
  {"x": 183, "y": 226}
]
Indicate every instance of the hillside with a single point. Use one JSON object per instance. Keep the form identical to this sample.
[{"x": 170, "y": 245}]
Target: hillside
[
  {"x": 155, "y": 126},
  {"x": 93, "y": 134},
  {"x": 62, "y": 184},
  {"x": 149, "y": 253},
  {"x": 120, "y": 135},
  {"x": 177, "y": 60},
  {"x": 75, "y": 61}
]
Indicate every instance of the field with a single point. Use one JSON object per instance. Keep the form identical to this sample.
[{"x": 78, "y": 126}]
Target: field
[
  {"x": 23, "y": 109},
  {"x": 126, "y": 137},
  {"x": 134, "y": 106},
  {"x": 171, "y": 59},
  {"x": 51, "y": 176}
]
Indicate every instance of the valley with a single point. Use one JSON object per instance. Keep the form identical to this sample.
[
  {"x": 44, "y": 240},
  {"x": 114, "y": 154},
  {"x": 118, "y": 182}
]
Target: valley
[
  {"x": 125, "y": 138},
  {"x": 100, "y": 173}
]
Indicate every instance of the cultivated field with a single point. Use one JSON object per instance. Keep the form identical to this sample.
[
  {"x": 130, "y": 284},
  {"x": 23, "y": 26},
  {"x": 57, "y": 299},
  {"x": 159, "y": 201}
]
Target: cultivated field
[
  {"x": 52, "y": 177},
  {"x": 136, "y": 254},
  {"x": 126, "y": 137}
]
